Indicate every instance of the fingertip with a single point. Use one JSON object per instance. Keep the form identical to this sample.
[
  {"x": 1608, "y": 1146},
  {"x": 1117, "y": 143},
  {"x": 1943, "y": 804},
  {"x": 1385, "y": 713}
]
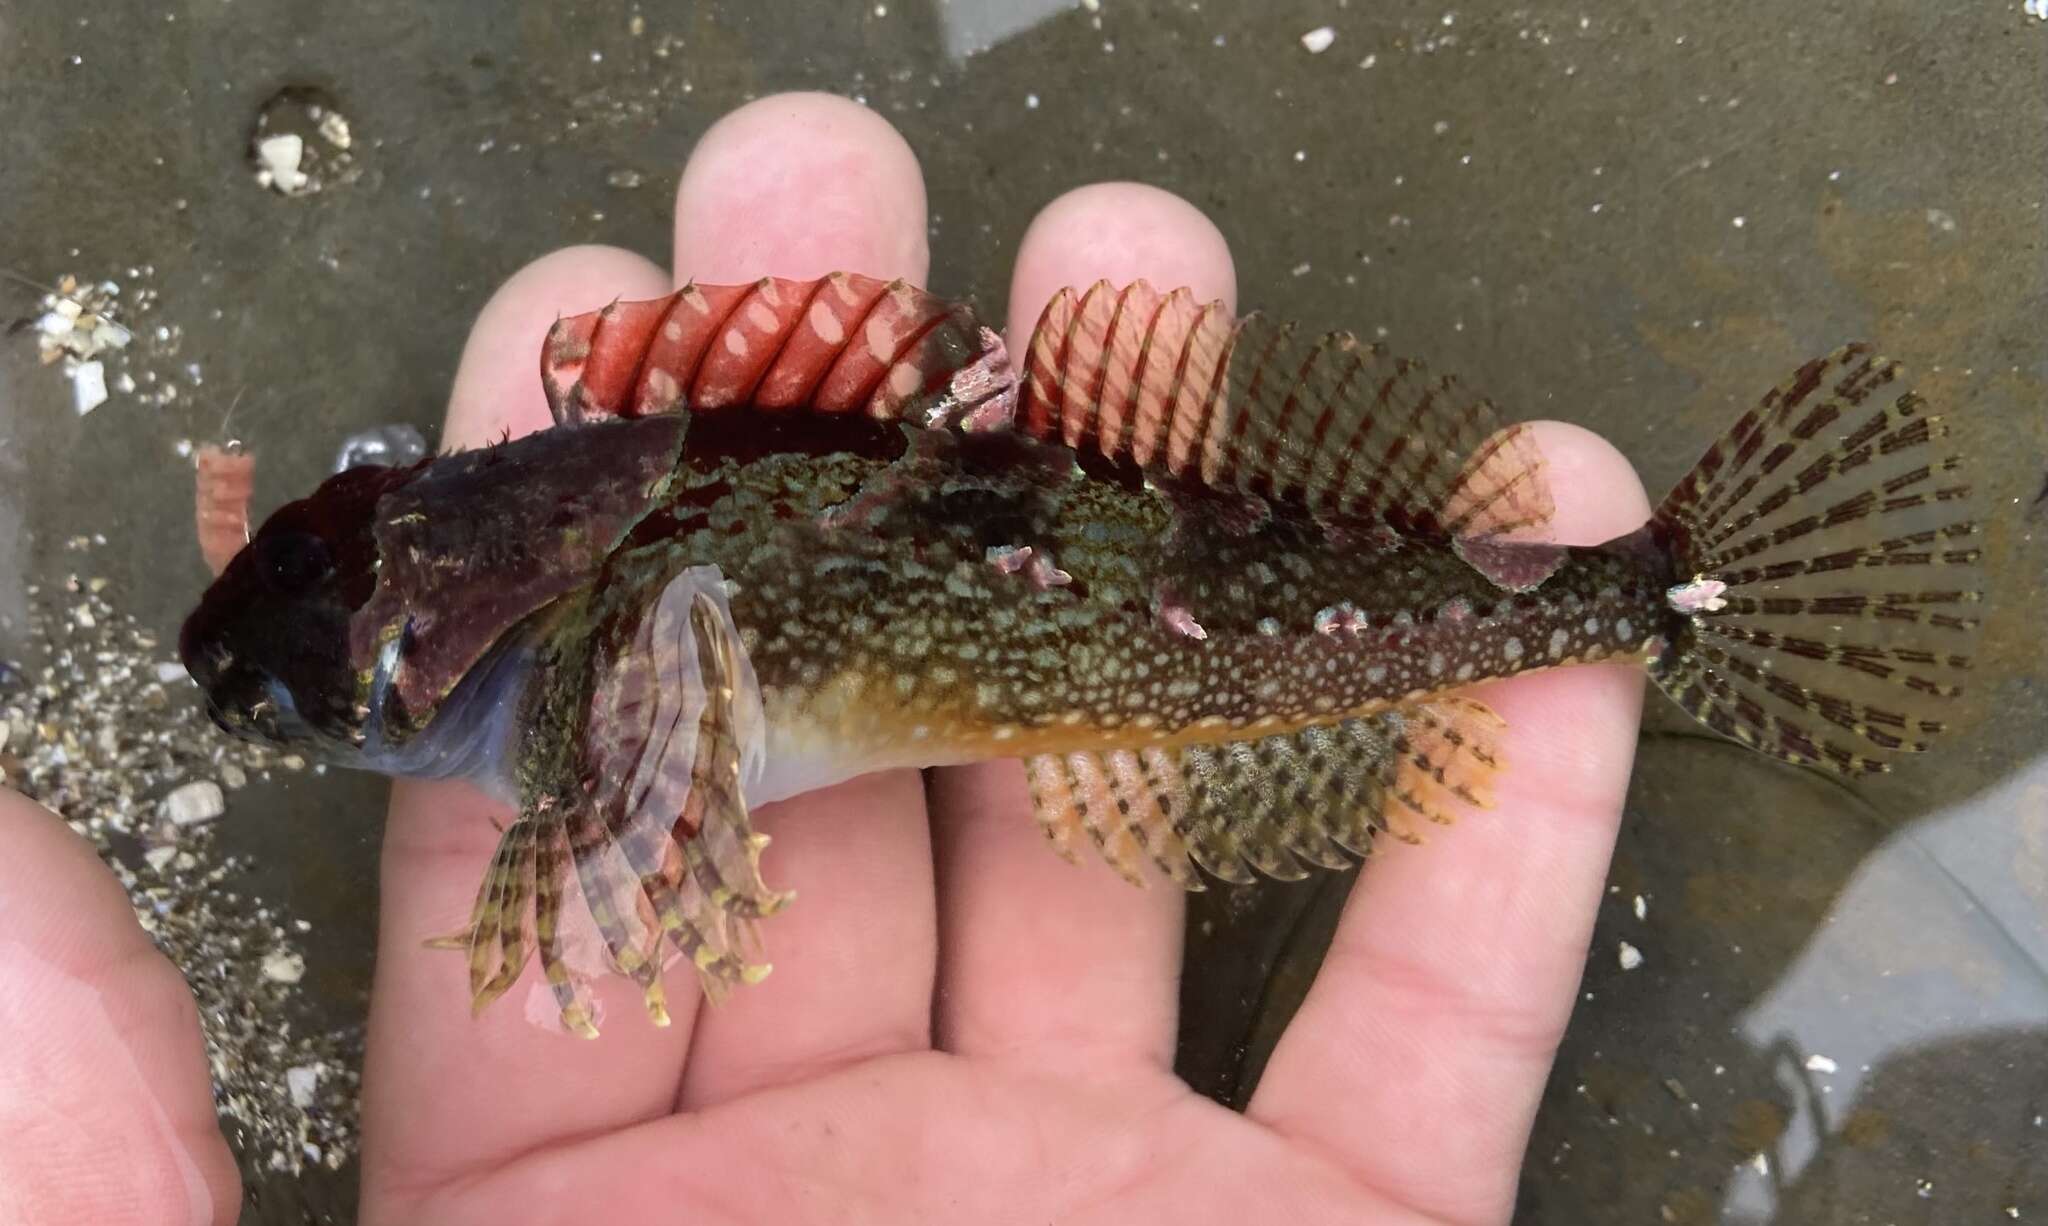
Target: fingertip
[
  {"x": 799, "y": 185},
  {"x": 1119, "y": 232},
  {"x": 1596, "y": 490},
  {"x": 497, "y": 385},
  {"x": 1579, "y": 766}
]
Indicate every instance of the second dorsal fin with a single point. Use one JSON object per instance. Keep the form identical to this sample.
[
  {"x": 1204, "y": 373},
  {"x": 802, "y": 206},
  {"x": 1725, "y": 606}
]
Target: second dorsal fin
[{"x": 1338, "y": 426}]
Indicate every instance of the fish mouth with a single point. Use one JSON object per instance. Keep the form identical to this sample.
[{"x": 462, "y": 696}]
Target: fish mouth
[{"x": 260, "y": 708}]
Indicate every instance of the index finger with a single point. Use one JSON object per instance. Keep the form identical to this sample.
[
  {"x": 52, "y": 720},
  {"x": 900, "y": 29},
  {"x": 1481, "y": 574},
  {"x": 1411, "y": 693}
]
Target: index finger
[{"x": 444, "y": 1093}]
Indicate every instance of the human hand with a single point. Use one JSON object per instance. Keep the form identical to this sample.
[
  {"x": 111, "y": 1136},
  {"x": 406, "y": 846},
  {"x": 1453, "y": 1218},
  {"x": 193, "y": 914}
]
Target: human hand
[
  {"x": 961, "y": 1026},
  {"x": 106, "y": 1113}
]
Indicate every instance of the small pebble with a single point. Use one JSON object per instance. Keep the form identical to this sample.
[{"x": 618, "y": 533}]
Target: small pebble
[
  {"x": 1629, "y": 956},
  {"x": 88, "y": 387},
  {"x": 1820, "y": 1064},
  {"x": 282, "y": 967},
  {"x": 302, "y": 1081},
  {"x": 1319, "y": 39},
  {"x": 195, "y": 802},
  {"x": 392, "y": 446},
  {"x": 279, "y": 157}
]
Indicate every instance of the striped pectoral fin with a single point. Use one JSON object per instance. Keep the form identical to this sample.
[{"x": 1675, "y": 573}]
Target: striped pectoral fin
[
  {"x": 500, "y": 933},
  {"x": 658, "y": 835},
  {"x": 660, "y": 843},
  {"x": 1316, "y": 797},
  {"x": 1324, "y": 422},
  {"x": 518, "y": 910}
]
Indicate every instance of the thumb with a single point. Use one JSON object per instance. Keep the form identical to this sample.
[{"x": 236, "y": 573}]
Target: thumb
[{"x": 106, "y": 1114}]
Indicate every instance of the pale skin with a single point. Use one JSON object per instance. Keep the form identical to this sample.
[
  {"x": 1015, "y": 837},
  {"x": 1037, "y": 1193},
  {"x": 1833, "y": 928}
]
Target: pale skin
[{"x": 961, "y": 1026}]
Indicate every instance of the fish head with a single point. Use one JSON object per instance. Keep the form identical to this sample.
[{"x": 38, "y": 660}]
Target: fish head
[
  {"x": 354, "y": 615},
  {"x": 270, "y": 643}
]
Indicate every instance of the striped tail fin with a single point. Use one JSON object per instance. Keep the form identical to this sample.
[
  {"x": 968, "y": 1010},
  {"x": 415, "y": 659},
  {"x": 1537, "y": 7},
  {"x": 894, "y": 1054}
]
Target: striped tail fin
[{"x": 1830, "y": 583}]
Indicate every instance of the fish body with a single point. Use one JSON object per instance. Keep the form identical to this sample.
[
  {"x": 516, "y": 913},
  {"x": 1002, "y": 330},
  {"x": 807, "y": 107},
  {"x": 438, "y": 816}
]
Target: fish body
[
  {"x": 919, "y": 637},
  {"x": 1217, "y": 582}
]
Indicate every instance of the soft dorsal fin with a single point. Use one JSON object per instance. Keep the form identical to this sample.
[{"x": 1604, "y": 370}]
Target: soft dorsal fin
[
  {"x": 1269, "y": 804},
  {"x": 1338, "y": 426},
  {"x": 839, "y": 344}
]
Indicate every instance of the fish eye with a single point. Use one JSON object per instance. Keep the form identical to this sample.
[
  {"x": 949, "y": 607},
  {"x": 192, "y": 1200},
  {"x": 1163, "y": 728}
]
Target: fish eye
[{"x": 294, "y": 561}]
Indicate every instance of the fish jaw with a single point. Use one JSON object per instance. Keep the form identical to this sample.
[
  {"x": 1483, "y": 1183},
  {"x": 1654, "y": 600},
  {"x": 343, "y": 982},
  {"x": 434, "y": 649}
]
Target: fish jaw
[{"x": 475, "y": 733}]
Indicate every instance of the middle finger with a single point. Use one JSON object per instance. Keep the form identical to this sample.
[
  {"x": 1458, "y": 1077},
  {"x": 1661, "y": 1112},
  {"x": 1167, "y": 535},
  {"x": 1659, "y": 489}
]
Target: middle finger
[
  {"x": 799, "y": 185},
  {"x": 1045, "y": 959}
]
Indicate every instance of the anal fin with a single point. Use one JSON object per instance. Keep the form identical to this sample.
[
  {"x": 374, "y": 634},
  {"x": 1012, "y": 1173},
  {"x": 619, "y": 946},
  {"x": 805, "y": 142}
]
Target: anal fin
[
  {"x": 1122, "y": 800},
  {"x": 1275, "y": 805}
]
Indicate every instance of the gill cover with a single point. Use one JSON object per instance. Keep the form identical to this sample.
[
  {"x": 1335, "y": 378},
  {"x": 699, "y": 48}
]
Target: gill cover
[{"x": 479, "y": 540}]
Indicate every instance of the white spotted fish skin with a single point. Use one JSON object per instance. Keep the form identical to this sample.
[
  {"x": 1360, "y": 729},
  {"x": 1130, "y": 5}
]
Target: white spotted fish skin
[{"x": 900, "y": 643}]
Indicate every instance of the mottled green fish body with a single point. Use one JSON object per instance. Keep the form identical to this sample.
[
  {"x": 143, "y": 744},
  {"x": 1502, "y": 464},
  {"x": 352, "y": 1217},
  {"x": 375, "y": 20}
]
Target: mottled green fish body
[{"x": 1220, "y": 584}]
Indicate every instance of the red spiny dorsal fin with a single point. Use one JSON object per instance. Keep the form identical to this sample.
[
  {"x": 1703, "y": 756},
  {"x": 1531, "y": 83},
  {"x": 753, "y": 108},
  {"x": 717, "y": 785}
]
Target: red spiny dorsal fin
[
  {"x": 1325, "y": 422},
  {"x": 839, "y": 344}
]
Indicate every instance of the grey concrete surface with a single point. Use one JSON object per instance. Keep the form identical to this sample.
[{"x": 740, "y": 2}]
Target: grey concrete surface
[{"x": 1635, "y": 215}]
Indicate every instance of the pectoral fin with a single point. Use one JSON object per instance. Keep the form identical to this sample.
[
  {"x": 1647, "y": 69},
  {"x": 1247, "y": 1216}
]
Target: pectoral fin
[
  {"x": 657, "y": 833},
  {"x": 674, "y": 724}
]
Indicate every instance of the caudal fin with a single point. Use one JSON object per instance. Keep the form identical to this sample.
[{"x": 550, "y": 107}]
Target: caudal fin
[{"x": 1828, "y": 570}]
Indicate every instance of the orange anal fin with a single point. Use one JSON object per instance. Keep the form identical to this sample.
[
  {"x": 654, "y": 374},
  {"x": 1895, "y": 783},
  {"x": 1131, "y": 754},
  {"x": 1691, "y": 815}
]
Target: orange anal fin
[
  {"x": 1447, "y": 758},
  {"x": 1277, "y": 804}
]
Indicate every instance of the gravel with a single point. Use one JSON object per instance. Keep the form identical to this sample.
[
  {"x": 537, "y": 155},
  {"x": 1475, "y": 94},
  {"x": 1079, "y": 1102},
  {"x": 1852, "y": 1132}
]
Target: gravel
[{"x": 97, "y": 726}]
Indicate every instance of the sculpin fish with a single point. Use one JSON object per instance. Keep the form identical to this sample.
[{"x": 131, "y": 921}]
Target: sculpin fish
[{"x": 1221, "y": 584}]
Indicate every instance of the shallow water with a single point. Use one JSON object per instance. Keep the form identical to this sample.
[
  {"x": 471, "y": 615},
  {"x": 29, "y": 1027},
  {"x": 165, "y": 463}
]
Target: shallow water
[{"x": 1633, "y": 216}]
